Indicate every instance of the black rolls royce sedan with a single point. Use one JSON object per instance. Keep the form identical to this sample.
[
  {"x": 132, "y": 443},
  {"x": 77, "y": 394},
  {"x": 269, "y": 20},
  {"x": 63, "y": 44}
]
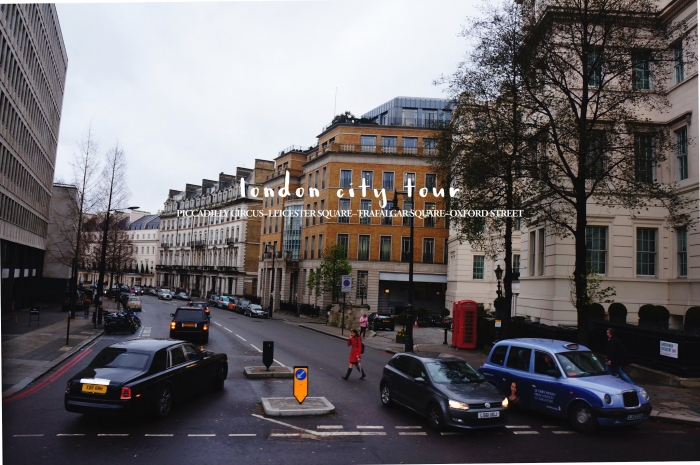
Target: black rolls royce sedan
[{"x": 144, "y": 375}]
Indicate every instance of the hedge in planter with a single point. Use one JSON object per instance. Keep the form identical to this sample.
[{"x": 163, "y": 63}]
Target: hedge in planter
[
  {"x": 691, "y": 322},
  {"x": 596, "y": 311},
  {"x": 653, "y": 316},
  {"x": 617, "y": 313}
]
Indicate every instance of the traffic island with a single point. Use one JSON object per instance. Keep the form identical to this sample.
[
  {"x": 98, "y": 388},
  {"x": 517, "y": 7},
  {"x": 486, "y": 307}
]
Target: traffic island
[
  {"x": 262, "y": 372},
  {"x": 289, "y": 407}
]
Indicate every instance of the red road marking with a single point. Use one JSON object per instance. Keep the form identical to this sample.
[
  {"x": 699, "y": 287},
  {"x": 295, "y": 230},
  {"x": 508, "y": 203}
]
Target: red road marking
[{"x": 49, "y": 379}]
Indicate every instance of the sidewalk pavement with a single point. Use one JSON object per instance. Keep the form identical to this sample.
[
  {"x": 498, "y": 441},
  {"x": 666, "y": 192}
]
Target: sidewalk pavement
[
  {"x": 28, "y": 352},
  {"x": 670, "y": 403},
  {"x": 31, "y": 349}
]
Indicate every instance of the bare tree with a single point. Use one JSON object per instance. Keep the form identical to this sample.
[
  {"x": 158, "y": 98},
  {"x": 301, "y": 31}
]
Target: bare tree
[{"x": 598, "y": 69}]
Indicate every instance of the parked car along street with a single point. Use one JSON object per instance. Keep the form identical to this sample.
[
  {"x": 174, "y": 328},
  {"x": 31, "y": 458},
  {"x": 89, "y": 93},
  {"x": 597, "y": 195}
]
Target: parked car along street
[
  {"x": 134, "y": 304},
  {"x": 165, "y": 294},
  {"x": 144, "y": 375},
  {"x": 255, "y": 310},
  {"x": 565, "y": 380},
  {"x": 446, "y": 390},
  {"x": 378, "y": 321}
]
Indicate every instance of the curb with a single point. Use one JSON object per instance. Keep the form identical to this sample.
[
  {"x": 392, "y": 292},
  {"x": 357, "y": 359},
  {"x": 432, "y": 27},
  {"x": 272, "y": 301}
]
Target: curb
[
  {"x": 343, "y": 338},
  {"x": 51, "y": 365},
  {"x": 669, "y": 418}
]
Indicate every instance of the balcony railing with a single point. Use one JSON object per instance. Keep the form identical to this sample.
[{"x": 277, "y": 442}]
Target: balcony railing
[
  {"x": 395, "y": 150},
  {"x": 198, "y": 244}
]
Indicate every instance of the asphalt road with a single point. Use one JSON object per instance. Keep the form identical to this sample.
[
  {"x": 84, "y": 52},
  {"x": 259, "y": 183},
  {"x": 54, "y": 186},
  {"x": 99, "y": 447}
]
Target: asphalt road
[{"x": 230, "y": 427}]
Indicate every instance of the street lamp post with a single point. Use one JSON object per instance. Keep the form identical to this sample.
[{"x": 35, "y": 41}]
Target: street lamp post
[
  {"x": 103, "y": 256},
  {"x": 272, "y": 278},
  {"x": 499, "y": 304},
  {"x": 408, "y": 346}
]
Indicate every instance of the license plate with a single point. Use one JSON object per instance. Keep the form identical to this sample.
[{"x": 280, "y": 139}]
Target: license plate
[
  {"x": 489, "y": 414},
  {"x": 95, "y": 388},
  {"x": 636, "y": 416},
  {"x": 189, "y": 325}
]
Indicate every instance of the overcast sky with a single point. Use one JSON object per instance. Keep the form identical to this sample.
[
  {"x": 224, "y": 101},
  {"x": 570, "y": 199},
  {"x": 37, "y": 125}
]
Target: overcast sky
[{"x": 193, "y": 89}]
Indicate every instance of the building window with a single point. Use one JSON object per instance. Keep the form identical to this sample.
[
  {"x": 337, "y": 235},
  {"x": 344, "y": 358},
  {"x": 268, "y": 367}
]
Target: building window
[
  {"x": 429, "y": 221},
  {"x": 363, "y": 247},
  {"x": 388, "y": 144},
  {"x": 344, "y": 211},
  {"x": 368, "y": 143},
  {"x": 678, "y": 63},
  {"x": 596, "y": 249},
  {"x": 409, "y": 116},
  {"x": 643, "y": 158},
  {"x": 682, "y": 234},
  {"x": 430, "y": 181},
  {"x": 306, "y": 246},
  {"x": 323, "y": 206},
  {"x": 595, "y": 68},
  {"x": 540, "y": 247},
  {"x": 407, "y": 209},
  {"x": 533, "y": 253},
  {"x": 368, "y": 177},
  {"x": 410, "y": 145},
  {"x": 386, "y": 214},
  {"x": 516, "y": 266},
  {"x": 517, "y": 223},
  {"x": 428, "y": 250},
  {"x": 478, "y": 267},
  {"x": 388, "y": 181},
  {"x": 444, "y": 252},
  {"x": 429, "y": 146},
  {"x": 412, "y": 178},
  {"x": 641, "y": 71},
  {"x": 385, "y": 249},
  {"x": 313, "y": 246},
  {"x": 646, "y": 252},
  {"x": 313, "y": 219},
  {"x": 365, "y": 211},
  {"x": 323, "y": 178},
  {"x": 362, "y": 278},
  {"x": 345, "y": 178},
  {"x": 595, "y": 156},
  {"x": 344, "y": 240},
  {"x": 405, "y": 249},
  {"x": 682, "y": 152},
  {"x": 320, "y": 246}
]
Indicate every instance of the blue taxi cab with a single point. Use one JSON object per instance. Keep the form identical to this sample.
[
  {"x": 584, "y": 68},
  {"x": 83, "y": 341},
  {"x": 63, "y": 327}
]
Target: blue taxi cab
[{"x": 565, "y": 380}]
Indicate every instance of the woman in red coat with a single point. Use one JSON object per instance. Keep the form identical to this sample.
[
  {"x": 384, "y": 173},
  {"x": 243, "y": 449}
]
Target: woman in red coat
[{"x": 355, "y": 342}]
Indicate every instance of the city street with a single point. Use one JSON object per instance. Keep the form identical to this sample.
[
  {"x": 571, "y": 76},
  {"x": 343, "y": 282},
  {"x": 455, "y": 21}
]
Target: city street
[{"x": 230, "y": 426}]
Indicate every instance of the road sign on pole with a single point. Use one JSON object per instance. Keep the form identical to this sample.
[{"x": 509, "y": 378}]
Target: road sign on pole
[
  {"x": 301, "y": 383},
  {"x": 345, "y": 283}
]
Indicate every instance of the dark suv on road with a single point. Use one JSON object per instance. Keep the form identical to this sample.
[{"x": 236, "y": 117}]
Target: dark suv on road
[{"x": 190, "y": 323}]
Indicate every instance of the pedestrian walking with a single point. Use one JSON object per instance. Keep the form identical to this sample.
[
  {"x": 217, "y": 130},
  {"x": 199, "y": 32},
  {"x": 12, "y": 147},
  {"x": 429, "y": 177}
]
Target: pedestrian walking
[
  {"x": 86, "y": 306},
  {"x": 355, "y": 342},
  {"x": 363, "y": 325},
  {"x": 617, "y": 357}
]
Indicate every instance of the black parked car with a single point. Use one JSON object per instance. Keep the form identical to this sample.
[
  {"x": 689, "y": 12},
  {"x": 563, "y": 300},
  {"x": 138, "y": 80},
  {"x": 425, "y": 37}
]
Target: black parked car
[
  {"x": 378, "y": 321},
  {"x": 447, "y": 390},
  {"x": 242, "y": 305},
  {"x": 213, "y": 300},
  {"x": 190, "y": 323},
  {"x": 144, "y": 375}
]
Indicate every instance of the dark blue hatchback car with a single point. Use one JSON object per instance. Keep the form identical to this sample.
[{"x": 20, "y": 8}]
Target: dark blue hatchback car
[{"x": 565, "y": 380}]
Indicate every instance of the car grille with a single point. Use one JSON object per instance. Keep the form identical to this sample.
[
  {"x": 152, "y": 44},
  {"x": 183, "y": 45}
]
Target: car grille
[{"x": 630, "y": 398}]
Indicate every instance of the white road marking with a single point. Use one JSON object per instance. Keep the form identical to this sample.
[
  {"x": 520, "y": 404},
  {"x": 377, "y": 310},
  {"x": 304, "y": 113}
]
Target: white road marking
[
  {"x": 281, "y": 364},
  {"x": 285, "y": 435},
  {"x": 413, "y": 433},
  {"x": 330, "y": 427},
  {"x": 564, "y": 432},
  {"x": 369, "y": 427},
  {"x": 217, "y": 324},
  {"x": 227, "y": 329},
  {"x": 201, "y": 435},
  {"x": 256, "y": 348},
  {"x": 27, "y": 435},
  {"x": 242, "y": 435},
  {"x": 158, "y": 435},
  {"x": 551, "y": 426},
  {"x": 517, "y": 426},
  {"x": 672, "y": 432},
  {"x": 526, "y": 432},
  {"x": 315, "y": 434},
  {"x": 241, "y": 338},
  {"x": 80, "y": 434},
  {"x": 115, "y": 435},
  {"x": 451, "y": 433},
  {"x": 408, "y": 427}
]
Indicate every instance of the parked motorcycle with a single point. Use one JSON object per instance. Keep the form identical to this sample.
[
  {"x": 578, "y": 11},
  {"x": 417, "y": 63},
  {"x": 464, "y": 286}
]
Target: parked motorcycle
[
  {"x": 137, "y": 320},
  {"x": 119, "y": 322}
]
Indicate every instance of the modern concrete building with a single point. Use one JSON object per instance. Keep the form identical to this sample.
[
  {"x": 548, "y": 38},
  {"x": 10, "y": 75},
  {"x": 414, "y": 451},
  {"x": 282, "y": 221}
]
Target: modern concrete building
[
  {"x": 33, "y": 65},
  {"x": 214, "y": 246},
  {"x": 385, "y": 148}
]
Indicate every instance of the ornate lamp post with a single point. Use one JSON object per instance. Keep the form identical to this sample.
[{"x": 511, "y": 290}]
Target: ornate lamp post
[
  {"x": 408, "y": 346},
  {"x": 499, "y": 304}
]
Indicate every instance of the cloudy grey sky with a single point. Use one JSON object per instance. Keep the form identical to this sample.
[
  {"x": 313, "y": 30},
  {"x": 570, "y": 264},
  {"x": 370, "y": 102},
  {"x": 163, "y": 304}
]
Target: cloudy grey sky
[{"x": 193, "y": 89}]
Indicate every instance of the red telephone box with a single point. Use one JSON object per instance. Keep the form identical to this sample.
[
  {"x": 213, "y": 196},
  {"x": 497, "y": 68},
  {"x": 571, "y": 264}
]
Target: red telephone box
[{"x": 464, "y": 324}]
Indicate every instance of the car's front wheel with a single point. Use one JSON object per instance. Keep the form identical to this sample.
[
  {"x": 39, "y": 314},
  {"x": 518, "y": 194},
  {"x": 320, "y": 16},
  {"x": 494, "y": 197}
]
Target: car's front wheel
[
  {"x": 385, "y": 395},
  {"x": 583, "y": 418},
  {"x": 164, "y": 402},
  {"x": 435, "y": 417},
  {"x": 219, "y": 378}
]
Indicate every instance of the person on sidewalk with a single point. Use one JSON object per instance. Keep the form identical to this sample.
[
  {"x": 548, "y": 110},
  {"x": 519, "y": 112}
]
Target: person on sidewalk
[
  {"x": 86, "y": 307},
  {"x": 363, "y": 325},
  {"x": 617, "y": 357},
  {"x": 355, "y": 342}
]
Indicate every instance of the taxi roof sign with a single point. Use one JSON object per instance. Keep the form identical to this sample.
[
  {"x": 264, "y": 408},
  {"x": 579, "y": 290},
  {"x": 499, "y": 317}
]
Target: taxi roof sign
[
  {"x": 300, "y": 383},
  {"x": 571, "y": 346}
]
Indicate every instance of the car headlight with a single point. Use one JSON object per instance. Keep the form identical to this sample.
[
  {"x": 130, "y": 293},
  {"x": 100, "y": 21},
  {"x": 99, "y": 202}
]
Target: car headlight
[
  {"x": 607, "y": 398},
  {"x": 505, "y": 402},
  {"x": 454, "y": 404},
  {"x": 644, "y": 394}
]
